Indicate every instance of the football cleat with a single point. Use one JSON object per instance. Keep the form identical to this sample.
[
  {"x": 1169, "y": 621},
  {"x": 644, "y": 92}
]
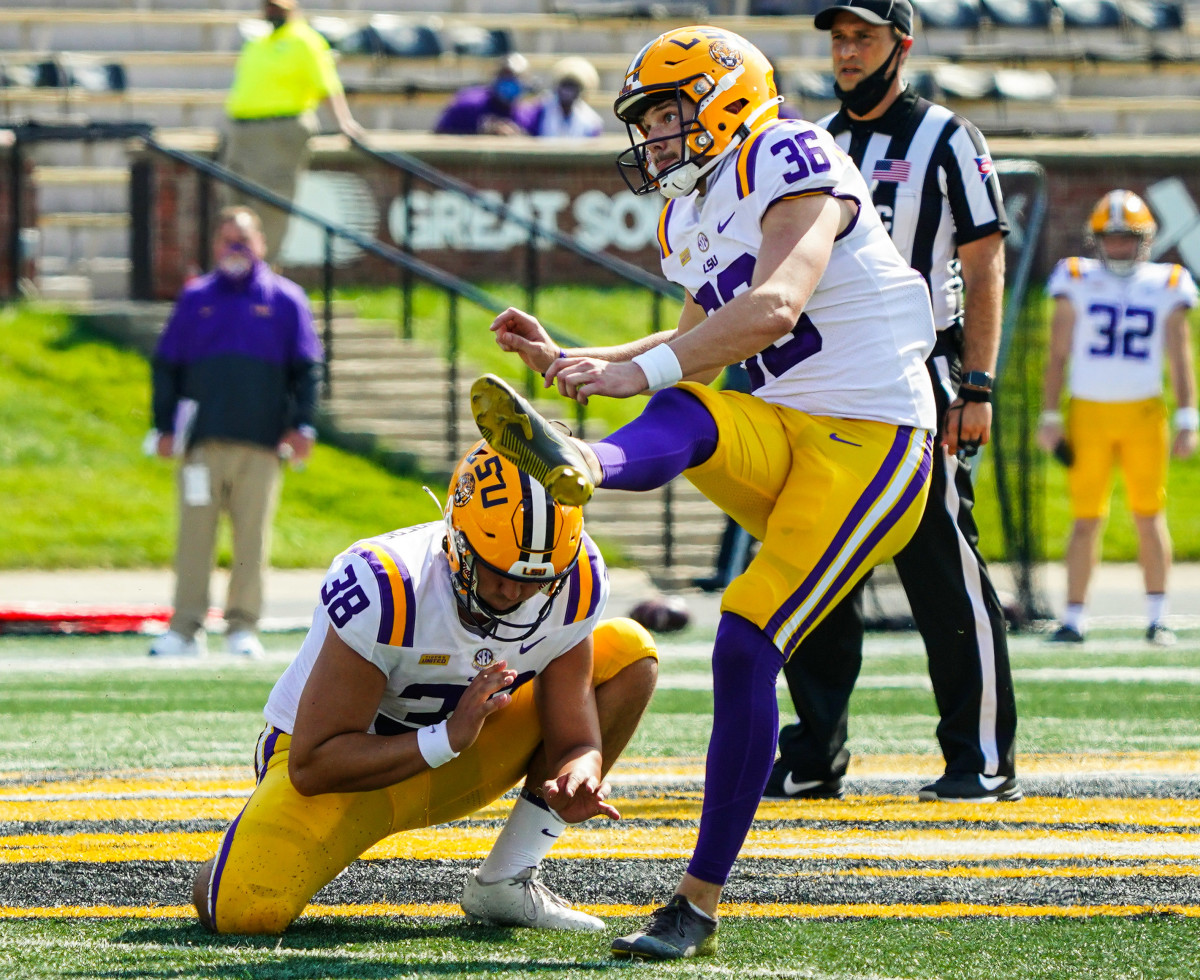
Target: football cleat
[
  {"x": 1160, "y": 635},
  {"x": 514, "y": 429},
  {"x": 522, "y": 901},
  {"x": 972, "y": 787},
  {"x": 1065, "y": 634},
  {"x": 675, "y": 931},
  {"x": 172, "y": 644},
  {"x": 783, "y": 785},
  {"x": 243, "y": 643}
]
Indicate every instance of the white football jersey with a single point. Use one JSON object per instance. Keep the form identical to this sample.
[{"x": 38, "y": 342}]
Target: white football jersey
[
  {"x": 390, "y": 599},
  {"x": 858, "y": 350},
  {"x": 1120, "y": 325}
]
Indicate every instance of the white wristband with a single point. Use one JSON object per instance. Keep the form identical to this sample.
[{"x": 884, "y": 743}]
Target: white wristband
[
  {"x": 1050, "y": 418},
  {"x": 1187, "y": 419},
  {"x": 434, "y": 744},
  {"x": 661, "y": 367}
]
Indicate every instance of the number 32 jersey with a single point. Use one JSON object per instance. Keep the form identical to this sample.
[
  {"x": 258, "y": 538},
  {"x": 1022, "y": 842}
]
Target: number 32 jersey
[
  {"x": 390, "y": 599},
  {"x": 1120, "y": 322},
  {"x": 858, "y": 350}
]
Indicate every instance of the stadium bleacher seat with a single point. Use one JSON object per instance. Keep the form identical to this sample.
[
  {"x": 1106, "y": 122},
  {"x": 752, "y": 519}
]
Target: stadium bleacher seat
[
  {"x": 1092, "y": 14},
  {"x": 634, "y": 9},
  {"x": 1154, "y": 15},
  {"x": 394, "y": 36},
  {"x": 948, "y": 14},
  {"x": 961, "y": 82},
  {"x": 1024, "y": 85},
  {"x": 471, "y": 40},
  {"x": 1034, "y": 14}
]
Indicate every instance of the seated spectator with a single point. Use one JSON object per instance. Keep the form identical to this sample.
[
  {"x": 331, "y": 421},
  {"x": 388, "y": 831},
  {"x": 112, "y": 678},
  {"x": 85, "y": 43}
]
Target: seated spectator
[
  {"x": 563, "y": 110},
  {"x": 492, "y": 109}
]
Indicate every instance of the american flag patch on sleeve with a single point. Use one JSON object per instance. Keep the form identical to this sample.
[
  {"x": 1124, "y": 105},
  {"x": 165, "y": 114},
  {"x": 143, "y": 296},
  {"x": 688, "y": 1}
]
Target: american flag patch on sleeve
[{"x": 896, "y": 171}]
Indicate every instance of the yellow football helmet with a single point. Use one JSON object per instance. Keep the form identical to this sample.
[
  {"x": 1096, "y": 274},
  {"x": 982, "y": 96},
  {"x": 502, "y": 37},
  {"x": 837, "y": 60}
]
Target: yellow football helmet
[
  {"x": 729, "y": 80},
  {"x": 498, "y": 517},
  {"x": 1120, "y": 212}
]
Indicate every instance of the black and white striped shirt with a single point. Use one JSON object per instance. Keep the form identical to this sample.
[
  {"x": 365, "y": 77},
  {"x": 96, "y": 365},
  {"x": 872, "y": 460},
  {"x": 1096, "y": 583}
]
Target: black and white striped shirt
[{"x": 933, "y": 183}]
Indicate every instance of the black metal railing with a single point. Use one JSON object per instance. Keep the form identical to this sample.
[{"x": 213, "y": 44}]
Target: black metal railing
[{"x": 455, "y": 288}]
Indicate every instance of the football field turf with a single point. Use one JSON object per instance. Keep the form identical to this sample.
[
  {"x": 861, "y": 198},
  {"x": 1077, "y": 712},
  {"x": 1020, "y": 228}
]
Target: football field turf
[{"x": 118, "y": 774}]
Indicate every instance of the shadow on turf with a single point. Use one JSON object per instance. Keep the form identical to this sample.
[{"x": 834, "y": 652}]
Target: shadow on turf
[{"x": 322, "y": 934}]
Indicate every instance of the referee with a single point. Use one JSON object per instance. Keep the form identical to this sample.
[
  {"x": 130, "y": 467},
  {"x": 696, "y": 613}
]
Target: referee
[
  {"x": 932, "y": 181},
  {"x": 278, "y": 82}
]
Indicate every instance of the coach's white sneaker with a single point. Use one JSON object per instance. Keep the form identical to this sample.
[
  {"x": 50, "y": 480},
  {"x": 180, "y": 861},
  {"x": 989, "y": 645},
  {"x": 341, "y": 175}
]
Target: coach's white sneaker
[
  {"x": 522, "y": 901},
  {"x": 172, "y": 644},
  {"x": 243, "y": 643}
]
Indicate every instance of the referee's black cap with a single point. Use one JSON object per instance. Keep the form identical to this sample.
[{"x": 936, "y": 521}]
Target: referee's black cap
[{"x": 899, "y": 13}]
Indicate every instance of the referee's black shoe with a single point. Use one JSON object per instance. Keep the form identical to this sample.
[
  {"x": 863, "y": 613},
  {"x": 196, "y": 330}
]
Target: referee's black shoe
[
  {"x": 971, "y": 787},
  {"x": 783, "y": 785}
]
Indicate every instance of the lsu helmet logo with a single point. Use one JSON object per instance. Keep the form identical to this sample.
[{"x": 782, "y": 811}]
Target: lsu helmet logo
[
  {"x": 464, "y": 490},
  {"x": 725, "y": 56}
]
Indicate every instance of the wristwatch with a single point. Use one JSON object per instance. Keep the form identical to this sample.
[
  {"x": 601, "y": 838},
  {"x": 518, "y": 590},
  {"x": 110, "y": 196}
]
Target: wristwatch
[{"x": 976, "y": 386}]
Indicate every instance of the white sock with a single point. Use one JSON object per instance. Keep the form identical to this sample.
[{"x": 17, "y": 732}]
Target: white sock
[
  {"x": 1073, "y": 617},
  {"x": 530, "y": 832},
  {"x": 1156, "y": 607}
]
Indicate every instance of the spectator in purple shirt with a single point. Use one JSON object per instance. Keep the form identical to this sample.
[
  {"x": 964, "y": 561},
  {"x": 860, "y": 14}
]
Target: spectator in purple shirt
[
  {"x": 492, "y": 109},
  {"x": 236, "y": 377}
]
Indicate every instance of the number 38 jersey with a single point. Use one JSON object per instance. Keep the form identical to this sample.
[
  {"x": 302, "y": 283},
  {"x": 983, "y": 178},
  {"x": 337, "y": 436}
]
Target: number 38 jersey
[
  {"x": 1120, "y": 325},
  {"x": 390, "y": 599},
  {"x": 859, "y": 348}
]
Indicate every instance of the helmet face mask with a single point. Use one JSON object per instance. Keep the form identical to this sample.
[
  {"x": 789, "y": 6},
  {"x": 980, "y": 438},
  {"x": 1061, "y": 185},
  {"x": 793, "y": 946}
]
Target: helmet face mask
[
  {"x": 500, "y": 520},
  {"x": 722, "y": 87},
  {"x": 1121, "y": 216}
]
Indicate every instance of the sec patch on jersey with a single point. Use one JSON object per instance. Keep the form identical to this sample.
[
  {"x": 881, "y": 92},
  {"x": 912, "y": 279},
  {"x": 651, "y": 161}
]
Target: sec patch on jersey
[{"x": 662, "y": 614}]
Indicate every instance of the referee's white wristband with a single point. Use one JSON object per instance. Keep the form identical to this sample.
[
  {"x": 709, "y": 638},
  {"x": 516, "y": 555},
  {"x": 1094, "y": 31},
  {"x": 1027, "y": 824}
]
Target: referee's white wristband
[
  {"x": 434, "y": 743},
  {"x": 661, "y": 367},
  {"x": 1187, "y": 419},
  {"x": 1050, "y": 418}
]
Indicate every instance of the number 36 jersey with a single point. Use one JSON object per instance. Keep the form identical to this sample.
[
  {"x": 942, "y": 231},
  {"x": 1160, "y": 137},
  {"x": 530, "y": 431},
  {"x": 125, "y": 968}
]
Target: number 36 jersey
[
  {"x": 1120, "y": 322},
  {"x": 390, "y": 599},
  {"x": 858, "y": 350}
]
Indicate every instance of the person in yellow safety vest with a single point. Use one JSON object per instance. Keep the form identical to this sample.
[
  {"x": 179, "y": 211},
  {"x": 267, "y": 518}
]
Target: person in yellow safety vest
[{"x": 279, "y": 81}]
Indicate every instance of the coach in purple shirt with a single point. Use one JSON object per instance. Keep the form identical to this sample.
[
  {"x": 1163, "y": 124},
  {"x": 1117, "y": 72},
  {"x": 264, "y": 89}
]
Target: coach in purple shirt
[{"x": 236, "y": 379}]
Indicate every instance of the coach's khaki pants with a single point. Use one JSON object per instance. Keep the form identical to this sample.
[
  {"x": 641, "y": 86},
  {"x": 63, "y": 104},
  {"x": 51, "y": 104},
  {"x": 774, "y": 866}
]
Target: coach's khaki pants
[
  {"x": 271, "y": 152},
  {"x": 243, "y": 481}
]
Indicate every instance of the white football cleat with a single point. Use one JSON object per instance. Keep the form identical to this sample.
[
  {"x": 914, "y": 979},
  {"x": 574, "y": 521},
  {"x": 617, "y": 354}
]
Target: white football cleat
[
  {"x": 243, "y": 643},
  {"x": 522, "y": 901},
  {"x": 172, "y": 644}
]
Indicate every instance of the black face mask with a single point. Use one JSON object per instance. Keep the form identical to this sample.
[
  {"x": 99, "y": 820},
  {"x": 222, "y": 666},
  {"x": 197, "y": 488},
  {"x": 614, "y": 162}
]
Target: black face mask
[
  {"x": 276, "y": 20},
  {"x": 869, "y": 92}
]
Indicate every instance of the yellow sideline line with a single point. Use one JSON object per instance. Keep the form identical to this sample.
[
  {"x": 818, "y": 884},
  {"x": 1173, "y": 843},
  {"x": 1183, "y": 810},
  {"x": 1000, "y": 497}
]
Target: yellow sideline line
[
  {"x": 239, "y": 778},
  {"x": 741, "y": 910},
  {"x": 879, "y": 809},
  {"x": 954, "y": 844}
]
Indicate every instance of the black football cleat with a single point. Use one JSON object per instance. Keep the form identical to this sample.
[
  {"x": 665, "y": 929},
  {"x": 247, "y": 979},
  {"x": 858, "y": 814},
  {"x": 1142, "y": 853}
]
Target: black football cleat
[
  {"x": 783, "y": 785},
  {"x": 517, "y": 432},
  {"x": 675, "y": 931},
  {"x": 1065, "y": 634},
  {"x": 1160, "y": 635},
  {"x": 971, "y": 787}
]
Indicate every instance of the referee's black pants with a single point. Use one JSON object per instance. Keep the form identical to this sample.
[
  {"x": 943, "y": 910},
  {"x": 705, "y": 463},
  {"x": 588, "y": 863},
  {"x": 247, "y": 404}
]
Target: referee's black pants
[{"x": 959, "y": 616}]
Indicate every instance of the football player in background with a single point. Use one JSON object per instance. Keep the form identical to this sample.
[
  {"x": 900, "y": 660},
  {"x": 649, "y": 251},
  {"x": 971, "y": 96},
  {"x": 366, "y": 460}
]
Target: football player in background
[
  {"x": 445, "y": 662},
  {"x": 769, "y": 227},
  {"x": 1114, "y": 315}
]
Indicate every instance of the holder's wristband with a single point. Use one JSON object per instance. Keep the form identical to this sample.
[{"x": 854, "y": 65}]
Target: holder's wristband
[
  {"x": 661, "y": 367},
  {"x": 1049, "y": 417},
  {"x": 1187, "y": 419},
  {"x": 561, "y": 353},
  {"x": 434, "y": 744}
]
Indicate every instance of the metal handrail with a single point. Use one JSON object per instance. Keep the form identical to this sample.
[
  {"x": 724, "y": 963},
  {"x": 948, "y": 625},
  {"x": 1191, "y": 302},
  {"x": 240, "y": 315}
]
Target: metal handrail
[{"x": 453, "y": 285}]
